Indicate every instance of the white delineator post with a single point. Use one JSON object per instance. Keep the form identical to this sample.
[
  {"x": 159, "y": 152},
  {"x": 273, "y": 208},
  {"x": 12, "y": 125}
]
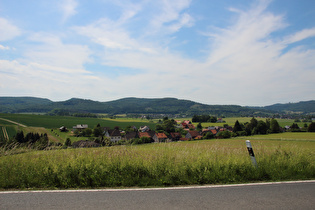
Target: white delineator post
[{"x": 251, "y": 153}]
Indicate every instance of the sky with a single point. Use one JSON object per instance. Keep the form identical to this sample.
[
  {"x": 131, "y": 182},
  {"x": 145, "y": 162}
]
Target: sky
[{"x": 244, "y": 52}]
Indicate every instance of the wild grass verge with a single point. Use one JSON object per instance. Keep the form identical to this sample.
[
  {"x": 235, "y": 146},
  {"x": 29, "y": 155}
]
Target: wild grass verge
[{"x": 181, "y": 163}]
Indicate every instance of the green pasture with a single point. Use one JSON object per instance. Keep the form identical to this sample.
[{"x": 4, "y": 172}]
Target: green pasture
[
  {"x": 162, "y": 164},
  {"x": 286, "y": 136},
  {"x": 231, "y": 121}
]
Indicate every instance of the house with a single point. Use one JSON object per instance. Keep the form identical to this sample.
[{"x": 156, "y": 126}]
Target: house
[
  {"x": 144, "y": 128},
  {"x": 131, "y": 135},
  {"x": 220, "y": 120},
  {"x": 193, "y": 135},
  {"x": 63, "y": 129},
  {"x": 213, "y": 131},
  {"x": 114, "y": 135},
  {"x": 80, "y": 127},
  {"x": 159, "y": 137},
  {"x": 191, "y": 127},
  {"x": 183, "y": 125},
  {"x": 85, "y": 143},
  {"x": 175, "y": 136},
  {"x": 148, "y": 134}
]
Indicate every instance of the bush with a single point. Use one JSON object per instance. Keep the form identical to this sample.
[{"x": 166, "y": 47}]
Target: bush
[{"x": 224, "y": 134}]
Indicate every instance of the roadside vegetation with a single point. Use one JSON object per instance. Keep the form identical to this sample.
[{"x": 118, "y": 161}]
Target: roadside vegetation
[{"x": 165, "y": 164}]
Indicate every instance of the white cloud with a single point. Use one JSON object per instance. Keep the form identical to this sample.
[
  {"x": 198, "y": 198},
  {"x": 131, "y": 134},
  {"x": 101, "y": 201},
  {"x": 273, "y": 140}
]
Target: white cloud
[
  {"x": 4, "y": 47},
  {"x": 29, "y": 78},
  {"x": 52, "y": 51},
  {"x": 300, "y": 35},
  {"x": 171, "y": 18},
  {"x": 68, "y": 8},
  {"x": 8, "y": 31},
  {"x": 112, "y": 36}
]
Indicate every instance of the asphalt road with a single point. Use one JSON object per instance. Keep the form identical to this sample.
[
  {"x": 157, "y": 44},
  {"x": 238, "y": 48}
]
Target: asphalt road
[{"x": 288, "y": 195}]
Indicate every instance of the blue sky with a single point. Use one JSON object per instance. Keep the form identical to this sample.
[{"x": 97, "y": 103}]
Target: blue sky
[{"x": 245, "y": 52}]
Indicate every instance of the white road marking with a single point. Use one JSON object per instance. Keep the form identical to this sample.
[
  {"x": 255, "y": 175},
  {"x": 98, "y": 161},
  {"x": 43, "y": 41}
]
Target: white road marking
[{"x": 155, "y": 189}]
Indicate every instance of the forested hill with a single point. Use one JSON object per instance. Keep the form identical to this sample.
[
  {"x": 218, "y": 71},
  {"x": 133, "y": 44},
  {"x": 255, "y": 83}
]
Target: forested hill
[
  {"x": 137, "y": 106},
  {"x": 303, "y": 106}
]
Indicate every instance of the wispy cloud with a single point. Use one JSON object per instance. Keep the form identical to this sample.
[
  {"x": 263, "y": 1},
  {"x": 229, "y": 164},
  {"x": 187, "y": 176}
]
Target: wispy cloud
[
  {"x": 68, "y": 8},
  {"x": 4, "y": 47},
  {"x": 52, "y": 51},
  {"x": 8, "y": 31},
  {"x": 171, "y": 17},
  {"x": 300, "y": 35}
]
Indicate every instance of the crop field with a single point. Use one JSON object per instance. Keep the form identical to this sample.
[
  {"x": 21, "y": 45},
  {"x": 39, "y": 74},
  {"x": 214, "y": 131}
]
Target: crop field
[
  {"x": 7, "y": 132},
  {"x": 161, "y": 164},
  {"x": 58, "y": 121}
]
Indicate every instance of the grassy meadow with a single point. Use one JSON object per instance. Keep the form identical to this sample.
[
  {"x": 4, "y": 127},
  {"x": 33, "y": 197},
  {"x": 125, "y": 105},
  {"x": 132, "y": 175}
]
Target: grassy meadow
[{"x": 161, "y": 164}]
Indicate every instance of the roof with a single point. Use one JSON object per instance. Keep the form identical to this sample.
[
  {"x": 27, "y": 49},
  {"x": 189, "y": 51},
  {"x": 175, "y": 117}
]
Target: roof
[
  {"x": 190, "y": 126},
  {"x": 115, "y": 132},
  {"x": 161, "y": 135},
  {"x": 176, "y": 135},
  {"x": 81, "y": 126},
  {"x": 131, "y": 135},
  {"x": 214, "y": 131},
  {"x": 145, "y": 134},
  {"x": 193, "y": 133},
  {"x": 85, "y": 143}
]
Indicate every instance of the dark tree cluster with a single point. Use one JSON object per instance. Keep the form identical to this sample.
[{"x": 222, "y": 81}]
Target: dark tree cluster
[
  {"x": 166, "y": 126},
  {"x": 255, "y": 127},
  {"x": 204, "y": 118},
  {"x": 40, "y": 141}
]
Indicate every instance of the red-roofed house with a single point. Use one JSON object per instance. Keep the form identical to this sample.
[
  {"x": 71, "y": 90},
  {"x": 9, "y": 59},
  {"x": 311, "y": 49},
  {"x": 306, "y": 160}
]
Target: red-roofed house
[
  {"x": 175, "y": 136},
  {"x": 159, "y": 137},
  {"x": 193, "y": 135}
]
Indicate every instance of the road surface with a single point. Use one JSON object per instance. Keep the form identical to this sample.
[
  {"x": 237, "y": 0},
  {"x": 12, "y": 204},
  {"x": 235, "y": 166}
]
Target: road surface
[{"x": 287, "y": 195}]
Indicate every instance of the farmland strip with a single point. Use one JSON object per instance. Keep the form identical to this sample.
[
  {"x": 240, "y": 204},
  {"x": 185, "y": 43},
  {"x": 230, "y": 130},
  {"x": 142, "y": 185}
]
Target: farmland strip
[
  {"x": 13, "y": 122},
  {"x": 5, "y": 133}
]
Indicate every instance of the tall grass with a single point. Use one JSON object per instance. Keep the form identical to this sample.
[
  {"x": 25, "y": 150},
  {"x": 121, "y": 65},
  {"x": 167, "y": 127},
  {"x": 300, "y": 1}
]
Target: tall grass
[{"x": 181, "y": 163}]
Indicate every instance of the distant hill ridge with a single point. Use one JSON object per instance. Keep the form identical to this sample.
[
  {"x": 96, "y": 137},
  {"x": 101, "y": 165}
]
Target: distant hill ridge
[{"x": 145, "y": 106}]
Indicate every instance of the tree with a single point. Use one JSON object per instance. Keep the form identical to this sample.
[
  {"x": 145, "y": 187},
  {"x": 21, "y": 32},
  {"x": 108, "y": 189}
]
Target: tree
[
  {"x": 199, "y": 126},
  {"x": 311, "y": 127},
  {"x": 97, "y": 131},
  {"x": 237, "y": 127},
  {"x": 261, "y": 127},
  {"x": 224, "y": 134},
  {"x": 253, "y": 123},
  {"x": 19, "y": 137},
  {"x": 295, "y": 128},
  {"x": 274, "y": 126},
  {"x": 88, "y": 132},
  {"x": 209, "y": 135},
  {"x": 68, "y": 142}
]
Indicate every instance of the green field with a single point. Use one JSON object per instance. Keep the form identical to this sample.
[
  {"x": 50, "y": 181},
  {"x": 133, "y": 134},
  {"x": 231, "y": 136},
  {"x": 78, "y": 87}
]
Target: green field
[
  {"x": 58, "y": 121},
  {"x": 231, "y": 121},
  {"x": 163, "y": 164}
]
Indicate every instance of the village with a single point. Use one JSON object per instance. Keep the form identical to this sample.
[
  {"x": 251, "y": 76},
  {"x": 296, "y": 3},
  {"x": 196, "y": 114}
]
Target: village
[{"x": 183, "y": 131}]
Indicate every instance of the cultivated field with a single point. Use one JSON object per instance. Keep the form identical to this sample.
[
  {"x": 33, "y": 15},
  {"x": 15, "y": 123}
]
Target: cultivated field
[{"x": 50, "y": 122}]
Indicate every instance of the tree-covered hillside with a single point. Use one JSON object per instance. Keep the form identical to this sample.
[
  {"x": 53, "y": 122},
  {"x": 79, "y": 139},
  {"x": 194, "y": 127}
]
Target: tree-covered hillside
[
  {"x": 303, "y": 106},
  {"x": 143, "y": 106}
]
